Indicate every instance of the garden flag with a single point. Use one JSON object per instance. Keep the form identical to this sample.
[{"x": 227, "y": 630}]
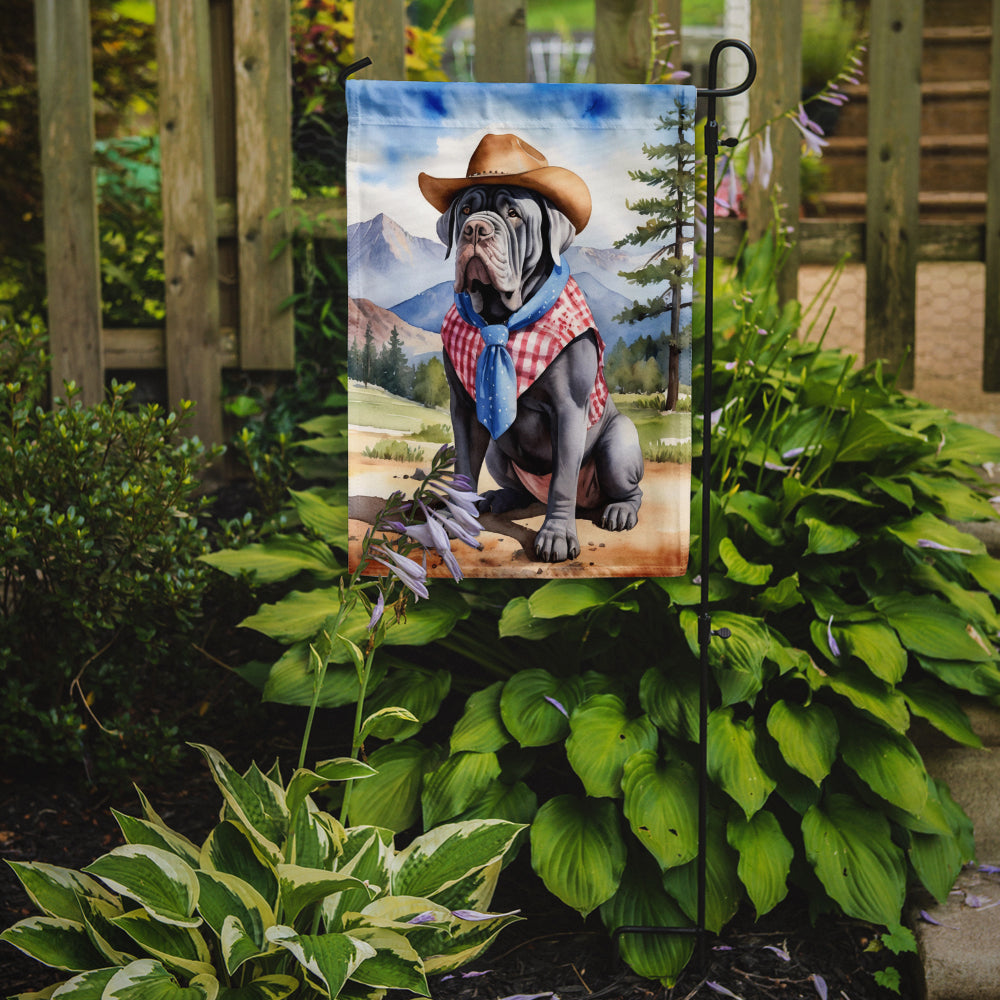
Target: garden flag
[{"x": 520, "y": 279}]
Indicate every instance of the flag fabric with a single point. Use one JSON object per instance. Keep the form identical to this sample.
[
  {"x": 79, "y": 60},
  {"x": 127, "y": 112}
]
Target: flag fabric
[{"x": 520, "y": 265}]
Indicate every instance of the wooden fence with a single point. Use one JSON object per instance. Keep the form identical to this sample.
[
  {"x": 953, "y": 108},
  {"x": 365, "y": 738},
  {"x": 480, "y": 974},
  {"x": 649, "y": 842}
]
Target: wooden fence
[{"x": 226, "y": 161}]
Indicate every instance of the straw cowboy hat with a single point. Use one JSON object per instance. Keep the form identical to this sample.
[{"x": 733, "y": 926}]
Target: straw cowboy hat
[{"x": 506, "y": 159}]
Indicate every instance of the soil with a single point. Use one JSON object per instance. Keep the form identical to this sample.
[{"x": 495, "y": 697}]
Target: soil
[{"x": 550, "y": 953}]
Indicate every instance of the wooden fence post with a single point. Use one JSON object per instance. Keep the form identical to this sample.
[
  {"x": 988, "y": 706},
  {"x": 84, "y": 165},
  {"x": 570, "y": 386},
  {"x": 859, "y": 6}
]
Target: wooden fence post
[
  {"x": 991, "y": 333},
  {"x": 380, "y": 34},
  {"x": 262, "y": 61},
  {"x": 72, "y": 255},
  {"x": 190, "y": 251},
  {"x": 501, "y": 41},
  {"x": 776, "y": 35},
  {"x": 623, "y": 37},
  {"x": 892, "y": 214}
]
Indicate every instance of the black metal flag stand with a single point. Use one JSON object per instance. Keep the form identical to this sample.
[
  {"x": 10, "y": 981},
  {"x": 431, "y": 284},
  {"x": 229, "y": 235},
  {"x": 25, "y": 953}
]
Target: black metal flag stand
[{"x": 705, "y": 631}]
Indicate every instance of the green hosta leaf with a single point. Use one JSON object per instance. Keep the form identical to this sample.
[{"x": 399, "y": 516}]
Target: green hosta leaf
[
  {"x": 888, "y": 763},
  {"x": 975, "y": 605},
  {"x": 765, "y": 858},
  {"x": 828, "y": 539},
  {"x": 395, "y": 964},
  {"x": 723, "y": 889},
  {"x": 928, "y": 528},
  {"x": 850, "y": 847},
  {"x": 732, "y": 760},
  {"x": 931, "y": 628},
  {"x": 301, "y": 887},
  {"x": 783, "y": 595},
  {"x": 517, "y": 620},
  {"x": 957, "y": 501},
  {"x": 559, "y": 598},
  {"x": 661, "y": 799},
  {"x": 159, "y": 881},
  {"x": 481, "y": 728},
  {"x": 578, "y": 851},
  {"x": 937, "y": 859},
  {"x": 876, "y": 646},
  {"x": 530, "y": 706},
  {"x": 869, "y": 436},
  {"x": 330, "y": 959},
  {"x": 986, "y": 572},
  {"x": 274, "y": 987},
  {"x": 684, "y": 593},
  {"x": 327, "y": 520},
  {"x": 226, "y": 898},
  {"x": 894, "y": 489},
  {"x": 807, "y": 736},
  {"x": 147, "y": 979},
  {"x": 260, "y": 809},
  {"x": 56, "y": 891},
  {"x": 180, "y": 948},
  {"x": 279, "y": 558},
  {"x": 230, "y": 849},
  {"x": 418, "y": 691},
  {"x": 758, "y": 511},
  {"x": 941, "y": 709},
  {"x": 391, "y": 798},
  {"x": 54, "y": 941},
  {"x": 292, "y": 680},
  {"x": 456, "y": 784},
  {"x": 387, "y": 723},
  {"x": 738, "y": 661},
  {"x": 866, "y": 692},
  {"x": 976, "y": 678},
  {"x": 141, "y": 831},
  {"x": 641, "y": 901},
  {"x": 602, "y": 738},
  {"x": 965, "y": 443},
  {"x": 438, "y": 859},
  {"x": 516, "y": 803},
  {"x": 738, "y": 569},
  {"x": 671, "y": 700}
]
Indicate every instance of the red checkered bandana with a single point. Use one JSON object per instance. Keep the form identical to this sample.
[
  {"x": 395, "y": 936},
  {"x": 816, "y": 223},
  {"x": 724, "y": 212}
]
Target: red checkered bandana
[{"x": 533, "y": 347}]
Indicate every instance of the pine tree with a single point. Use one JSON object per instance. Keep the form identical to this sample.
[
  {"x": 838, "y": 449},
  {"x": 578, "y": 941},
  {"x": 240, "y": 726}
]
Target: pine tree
[
  {"x": 667, "y": 217},
  {"x": 368, "y": 357}
]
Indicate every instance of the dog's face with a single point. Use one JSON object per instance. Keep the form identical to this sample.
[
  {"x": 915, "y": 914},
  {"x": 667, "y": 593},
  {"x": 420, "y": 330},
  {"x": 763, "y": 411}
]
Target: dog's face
[{"x": 506, "y": 240}]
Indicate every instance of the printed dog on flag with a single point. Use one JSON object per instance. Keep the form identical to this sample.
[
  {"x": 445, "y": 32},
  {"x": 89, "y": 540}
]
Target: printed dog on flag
[{"x": 522, "y": 352}]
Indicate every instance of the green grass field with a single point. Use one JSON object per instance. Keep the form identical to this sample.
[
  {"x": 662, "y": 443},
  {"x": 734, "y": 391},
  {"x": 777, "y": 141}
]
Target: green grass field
[{"x": 578, "y": 15}]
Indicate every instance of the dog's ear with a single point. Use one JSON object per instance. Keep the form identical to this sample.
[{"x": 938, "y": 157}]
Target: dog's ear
[
  {"x": 446, "y": 228},
  {"x": 561, "y": 230}
]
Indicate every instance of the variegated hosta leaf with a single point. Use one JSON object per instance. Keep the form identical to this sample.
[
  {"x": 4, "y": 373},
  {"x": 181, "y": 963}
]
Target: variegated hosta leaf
[
  {"x": 441, "y": 857},
  {"x": 468, "y": 939},
  {"x": 642, "y": 902},
  {"x": 329, "y": 959},
  {"x": 225, "y": 897},
  {"x": 481, "y": 727},
  {"x": 315, "y": 838},
  {"x": 850, "y": 847},
  {"x": 578, "y": 851},
  {"x": 275, "y": 987},
  {"x": 86, "y": 986},
  {"x": 732, "y": 760},
  {"x": 807, "y": 736},
  {"x": 304, "y": 782},
  {"x": 602, "y": 737},
  {"x": 256, "y": 801},
  {"x": 141, "y": 831},
  {"x": 723, "y": 889},
  {"x": 54, "y": 941},
  {"x": 535, "y": 706},
  {"x": 116, "y": 946},
  {"x": 230, "y": 849},
  {"x": 177, "y": 947},
  {"x": 160, "y": 882},
  {"x": 395, "y": 964},
  {"x": 149, "y": 980},
  {"x": 661, "y": 805},
  {"x": 367, "y": 853},
  {"x": 476, "y": 890},
  {"x": 456, "y": 784},
  {"x": 765, "y": 858},
  {"x": 300, "y": 887},
  {"x": 56, "y": 891}
]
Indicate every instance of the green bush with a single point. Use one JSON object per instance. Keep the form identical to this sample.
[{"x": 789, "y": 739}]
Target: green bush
[{"x": 99, "y": 546}]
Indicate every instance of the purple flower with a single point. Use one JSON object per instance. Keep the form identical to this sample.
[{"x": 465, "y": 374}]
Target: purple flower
[
  {"x": 475, "y": 915},
  {"x": 377, "y": 612},
  {"x": 412, "y": 575},
  {"x": 761, "y": 163},
  {"x": 427, "y": 917},
  {"x": 811, "y": 132},
  {"x": 719, "y": 988},
  {"x": 820, "y": 983},
  {"x": 834, "y": 648},
  {"x": 927, "y": 543},
  {"x": 780, "y": 952},
  {"x": 558, "y": 705}
]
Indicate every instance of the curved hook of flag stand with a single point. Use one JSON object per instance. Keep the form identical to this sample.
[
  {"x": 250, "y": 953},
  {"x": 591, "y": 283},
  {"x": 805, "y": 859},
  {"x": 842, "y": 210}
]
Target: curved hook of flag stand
[{"x": 705, "y": 631}]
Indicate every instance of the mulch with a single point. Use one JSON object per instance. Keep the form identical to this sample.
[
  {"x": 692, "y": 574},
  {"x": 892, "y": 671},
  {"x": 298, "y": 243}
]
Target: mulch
[{"x": 551, "y": 953}]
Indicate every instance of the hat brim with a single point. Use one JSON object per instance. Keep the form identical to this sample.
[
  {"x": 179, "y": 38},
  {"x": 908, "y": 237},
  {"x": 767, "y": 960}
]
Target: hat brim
[{"x": 566, "y": 190}]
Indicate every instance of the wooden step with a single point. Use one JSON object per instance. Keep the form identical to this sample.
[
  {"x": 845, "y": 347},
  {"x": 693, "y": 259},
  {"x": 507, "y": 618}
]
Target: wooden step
[
  {"x": 940, "y": 13},
  {"x": 956, "y": 53},
  {"x": 947, "y": 106},
  {"x": 947, "y": 162},
  {"x": 958, "y": 206}
]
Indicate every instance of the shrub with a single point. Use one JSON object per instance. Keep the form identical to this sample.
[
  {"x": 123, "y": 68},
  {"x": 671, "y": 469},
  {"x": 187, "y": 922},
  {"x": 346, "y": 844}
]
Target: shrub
[
  {"x": 394, "y": 451},
  {"x": 99, "y": 539}
]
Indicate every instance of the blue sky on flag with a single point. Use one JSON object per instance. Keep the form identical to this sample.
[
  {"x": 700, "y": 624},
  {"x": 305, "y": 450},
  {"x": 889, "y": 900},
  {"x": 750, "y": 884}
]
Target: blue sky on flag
[{"x": 398, "y": 130}]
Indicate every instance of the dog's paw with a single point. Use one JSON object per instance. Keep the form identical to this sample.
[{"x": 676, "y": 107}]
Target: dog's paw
[
  {"x": 620, "y": 516},
  {"x": 502, "y": 500},
  {"x": 556, "y": 542}
]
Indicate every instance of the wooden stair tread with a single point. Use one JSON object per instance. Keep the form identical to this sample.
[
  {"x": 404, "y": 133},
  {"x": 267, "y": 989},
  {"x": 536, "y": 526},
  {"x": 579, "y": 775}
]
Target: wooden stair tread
[
  {"x": 937, "y": 89},
  {"x": 929, "y": 199},
  {"x": 847, "y": 145},
  {"x": 958, "y": 33}
]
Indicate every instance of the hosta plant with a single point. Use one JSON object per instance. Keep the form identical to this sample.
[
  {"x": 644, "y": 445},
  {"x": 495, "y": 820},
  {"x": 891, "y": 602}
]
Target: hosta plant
[{"x": 279, "y": 900}]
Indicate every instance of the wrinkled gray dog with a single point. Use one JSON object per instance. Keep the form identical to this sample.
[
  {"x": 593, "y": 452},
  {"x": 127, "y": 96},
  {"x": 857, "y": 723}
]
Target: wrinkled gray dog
[{"x": 564, "y": 442}]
